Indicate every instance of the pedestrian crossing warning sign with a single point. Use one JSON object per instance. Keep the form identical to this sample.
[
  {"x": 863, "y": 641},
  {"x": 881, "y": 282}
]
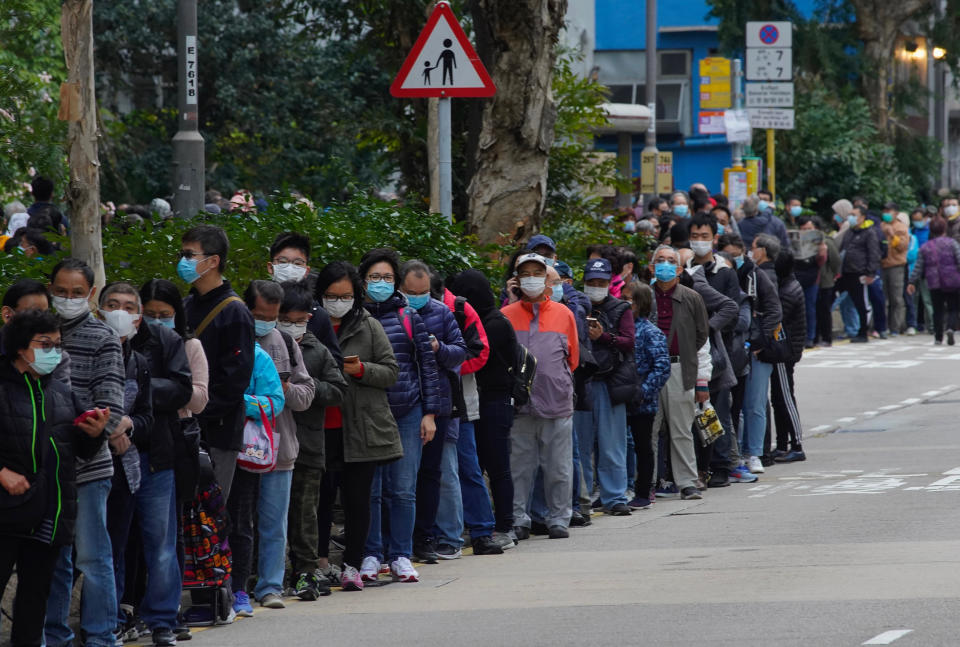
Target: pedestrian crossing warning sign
[{"x": 442, "y": 62}]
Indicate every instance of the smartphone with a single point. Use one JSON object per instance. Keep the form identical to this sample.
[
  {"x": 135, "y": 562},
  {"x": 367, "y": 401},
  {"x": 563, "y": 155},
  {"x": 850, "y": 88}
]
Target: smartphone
[
  {"x": 90, "y": 413},
  {"x": 284, "y": 376},
  {"x": 350, "y": 359},
  {"x": 592, "y": 320}
]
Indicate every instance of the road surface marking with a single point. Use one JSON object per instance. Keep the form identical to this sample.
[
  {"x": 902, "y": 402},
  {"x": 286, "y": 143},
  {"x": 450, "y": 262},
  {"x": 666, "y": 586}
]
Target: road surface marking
[
  {"x": 820, "y": 428},
  {"x": 869, "y": 413},
  {"x": 890, "y": 407},
  {"x": 930, "y": 394},
  {"x": 845, "y": 420},
  {"x": 888, "y": 637},
  {"x": 911, "y": 401},
  {"x": 955, "y": 470}
]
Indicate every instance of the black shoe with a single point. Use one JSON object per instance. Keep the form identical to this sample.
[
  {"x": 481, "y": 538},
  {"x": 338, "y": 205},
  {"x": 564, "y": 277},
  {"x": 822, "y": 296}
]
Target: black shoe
[
  {"x": 577, "y": 520},
  {"x": 596, "y": 504},
  {"x": 558, "y": 532},
  {"x": 618, "y": 510},
  {"x": 720, "y": 478},
  {"x": 425, "y": 551},
  {"x": 949, "y": 338},
  {"x": 522, "y": 532},
  {"x": 486, "y": 546},
  {"x": 537, "y": 528},
  {"x": 859, "y": 339},
  {"x": 690, "y": 493},
  {"x": 164, "y": 638},
  {"x": 182, "y": 631}
]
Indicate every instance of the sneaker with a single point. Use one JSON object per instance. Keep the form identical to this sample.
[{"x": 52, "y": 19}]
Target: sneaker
[
  {"x": 826, "y": 344},
  {"x": 793, "y": 457},
  {"x": 425, "y": 551},
  {"x": 653, "y": 495},
  {"x": 446, "y": 551},
  {"x": 859, "y": 339},
  {"x": 911, "y": 331},
  {"x": 720, "y": 478},
  {"x": 882, "y": 335},
  {"x": 329, "y": 574},
  {"x": 272, "y": 601},
  {"x": 742, "y": 475},
  {"x": 306, "y": 587},
  {"x": 164, "y": 638},
  {"x": 339, "y": 541},
  {"x": 597, "y": 503},
  {"x": 350, "y": 579},
  {"x": 241, "y": 604},
  {"x": 667, "y": 489},
  {"x": 182, "y": 632},
  {"x": 639, "y": 503},
  {"x": 618, "y": 510},
  {"x": 777, "y": 453},
  {"x": 558, "y": 532},
  {"x": 521, "y": 532},
  {"x": 403, "y": 571},
  {"x": 950, "y": 338},
  {"x": 370, "y": 569},
  {"x": 809, "y": 344},
  {"x": 690, "y": 493},
  {"x": 486, "y": 545},
  {"x": 539, "y": 528},
  {"x": 229, "y": 619},
  {"x": 754, "y": 465},
  {"x": 577, "y": 520},
  {"x": 504, "y": 540}
]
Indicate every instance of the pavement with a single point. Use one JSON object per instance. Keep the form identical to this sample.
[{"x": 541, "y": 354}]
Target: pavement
[{"x": 858, "y": 545}]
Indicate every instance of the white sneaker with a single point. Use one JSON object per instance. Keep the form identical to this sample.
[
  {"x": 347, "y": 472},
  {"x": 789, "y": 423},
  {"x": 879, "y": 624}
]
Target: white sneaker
[
  {"x": 911, "y": 331},
  {"x": 370, "y": 569},
  {"x": 403, "y": 571},
  {"x": 754, "y": 465}
]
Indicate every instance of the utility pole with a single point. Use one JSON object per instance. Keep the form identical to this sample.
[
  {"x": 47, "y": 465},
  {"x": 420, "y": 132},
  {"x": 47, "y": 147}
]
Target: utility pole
[
  {"x": 650, "y": 137},
  {"x": 737, "y": 105},
  {"x": 188, "y": 151}
]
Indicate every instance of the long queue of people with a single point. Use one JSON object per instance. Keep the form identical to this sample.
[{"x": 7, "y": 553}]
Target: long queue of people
[{"x": 428, "y": 407}]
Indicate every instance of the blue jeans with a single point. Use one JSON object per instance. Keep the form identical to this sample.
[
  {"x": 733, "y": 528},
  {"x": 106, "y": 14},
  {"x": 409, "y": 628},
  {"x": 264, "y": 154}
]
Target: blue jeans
[
  {"x": 610, "y": 429},
  {"x": 879, "y": 304},
  {"x": 754, "y": 426},
  {"x": 848, "y": 312},
  {"x": 272, "y": 506},
  {"x": 810, "y": 303},
  {"x": 449, "y": 524},
  {"x": 585, "y": 439},
  {"x": 395, "y": 486},
  {"x": 98, "y": 613}
]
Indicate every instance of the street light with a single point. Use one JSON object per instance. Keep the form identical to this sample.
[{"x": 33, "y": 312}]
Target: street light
[{"x": 939, "y": 53}]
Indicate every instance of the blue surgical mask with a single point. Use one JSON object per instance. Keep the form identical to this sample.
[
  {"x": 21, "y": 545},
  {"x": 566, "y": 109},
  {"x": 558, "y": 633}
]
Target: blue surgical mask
[
  {"x": 629, "y": 226},
  {"x": 681, "y": 210},
  {"x": 168, "y": 322},
  {"x": 379, "y": 291},
  {"x": 796, "y": 211},
  {"x": 550, "y": 261},
  {"x": 556, "y": 293},
  {"x": 738, "y": 260},
  {"x": 838, "y": 218},
  {"x": 919, "y": 224},
  {"x": 852, "y": 220},
  {"x": 261, "y": 328},
  {"x": 720, "y": 229},
  {"x": 417, "y": 301},
  {"x": 45, "y": 360},
  {"x": 763, "y": 205},
  {"x": 187, "y": 269},
  {"x": 887, "y": 217},
  {"x": 665, "y": 272}
]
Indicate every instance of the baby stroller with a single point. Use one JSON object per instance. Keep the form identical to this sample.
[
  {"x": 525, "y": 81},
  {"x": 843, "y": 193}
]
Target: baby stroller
[{"x": 207, "y": 557}]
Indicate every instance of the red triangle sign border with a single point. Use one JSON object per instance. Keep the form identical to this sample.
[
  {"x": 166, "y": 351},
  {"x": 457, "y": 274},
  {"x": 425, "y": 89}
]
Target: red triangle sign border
[{"x": 442, "y": 10}]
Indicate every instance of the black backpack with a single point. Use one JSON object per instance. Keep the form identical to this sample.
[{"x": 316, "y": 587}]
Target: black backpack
[{"x": 523, "y": 369}]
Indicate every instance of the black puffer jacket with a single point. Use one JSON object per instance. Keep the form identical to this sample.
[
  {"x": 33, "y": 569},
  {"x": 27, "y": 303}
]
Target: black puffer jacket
[
  {"x": 794, "y": 314},
  {"x": 171, "y": 386},
  {"x": 860, "y": 250},
  {"x": 39, "y": 441}
]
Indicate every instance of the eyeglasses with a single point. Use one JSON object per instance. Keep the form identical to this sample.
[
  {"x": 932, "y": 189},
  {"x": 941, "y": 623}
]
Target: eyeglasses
[
  {"x": 189, "y": 254},
  {"x": 299, "y": 262},
  {"x": 380, "y": 277},
  {"x": 46, "y": 344},
  {"x": 343, "y": 298}
]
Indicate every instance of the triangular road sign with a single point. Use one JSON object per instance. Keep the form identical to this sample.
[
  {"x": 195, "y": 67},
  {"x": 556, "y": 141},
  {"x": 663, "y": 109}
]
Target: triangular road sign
[{"x": 442, "y": 62}]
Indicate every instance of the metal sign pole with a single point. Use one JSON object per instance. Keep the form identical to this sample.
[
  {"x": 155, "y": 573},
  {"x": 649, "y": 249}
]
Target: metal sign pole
[
  {"x": 444, "y": 163},
  {"x": 188, "y": 150},
  {"x": 737, "y": 105},
  {"x": 772, "y": 163}
]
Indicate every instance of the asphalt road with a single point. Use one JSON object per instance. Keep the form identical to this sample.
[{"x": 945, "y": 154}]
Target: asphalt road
[{"x": 858, "y": 545}]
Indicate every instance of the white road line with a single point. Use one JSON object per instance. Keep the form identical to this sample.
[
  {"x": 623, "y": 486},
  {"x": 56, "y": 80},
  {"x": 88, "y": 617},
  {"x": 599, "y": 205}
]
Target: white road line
[
  {"x": 869, "y": 413},
  {"x": 955, "y": 470},
  {"x": 890, "y": 407},
  {"x": 888, "y": 637},
  {"x": 911, "y": 401},
  {"x": 817, "y": 430},
  {"x": 845, "y": 420},
  {"x": 930, "y": 394}
]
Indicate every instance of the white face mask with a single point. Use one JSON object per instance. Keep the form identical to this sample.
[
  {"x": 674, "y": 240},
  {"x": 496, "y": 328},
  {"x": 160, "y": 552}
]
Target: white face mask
[
  {"x": 295, "y": 330},
  {"x": 121, "y": 321},
  {"x": 336, "y": 308},
  {"x": 701, "y": 247},
  {"x": 750, "y": 255},
  {"x": 533, "y": 286},
  {"x": 951, "y": 210},
  {"x": 288, "y": 272},
  {"x": 596, "y": 295},
  {"x": 71, "y": 308}
]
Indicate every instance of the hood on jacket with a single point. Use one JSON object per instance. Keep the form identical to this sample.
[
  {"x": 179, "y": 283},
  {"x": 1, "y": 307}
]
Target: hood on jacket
[
  {"x": 842, "y": 208},
  {"x": 475, "y": 288}
]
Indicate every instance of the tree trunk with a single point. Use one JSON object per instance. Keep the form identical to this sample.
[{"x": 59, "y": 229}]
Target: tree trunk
[
  {"x": 83, "y": 194},
  {"x": 508, "y": 191},
  {"x": 878, "y": 24}
]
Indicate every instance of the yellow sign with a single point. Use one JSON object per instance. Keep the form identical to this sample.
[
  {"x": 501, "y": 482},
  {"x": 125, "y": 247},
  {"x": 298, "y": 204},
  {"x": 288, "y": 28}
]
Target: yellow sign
[
  {"x": 648, "y": 172},
  {"x": 664, "y": 172},
  {"x": 753, "y": 174},
  {"x": 714, "y": 83}
]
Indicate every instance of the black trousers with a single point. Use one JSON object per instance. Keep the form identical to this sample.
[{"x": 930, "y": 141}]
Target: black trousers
[
  {"x": 492, "y": 433},
  {"x": 354, "y": 481},
  {"x": 34, "y": 561},
  {"x": 428, "y": 482},
  {"x": 785, "y": 412},
  {"x": 850, "y": 283},
  {"x": 825, "y": 298},
  {"x": 944, "y": 303},
  {"x": 242, "y": 507},
  {"x": 641, "y": 427}
]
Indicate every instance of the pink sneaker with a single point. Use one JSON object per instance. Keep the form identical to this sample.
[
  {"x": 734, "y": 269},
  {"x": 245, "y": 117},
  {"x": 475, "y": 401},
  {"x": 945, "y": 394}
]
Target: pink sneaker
[
  {"x": 350, "y": 579},
  {"x": 370, "y": 569}
]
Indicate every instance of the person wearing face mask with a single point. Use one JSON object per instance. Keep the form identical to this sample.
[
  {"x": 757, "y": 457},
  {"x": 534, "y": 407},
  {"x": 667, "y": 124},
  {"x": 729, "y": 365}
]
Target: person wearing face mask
[
  {"x": 861, "y": 260},
  {"x": 761, "y": 221},
  {"x": 679, "y": 205},
  {"x": 611, "y": 331},
  {"x": 368, "y": 432},
  {"x": 97, "y": 379},
  {"x": 39, "y": 445},
  {"x": 264, "y": 299},
  {"x": 893, "y": 267},
  {"x": 793, "y": 208},
  {"x": 543, "y": 428},
  {"x": 314, "y": 480},
  {"x": 224, "y": 326},
  {"x": 919, "y": 235},
  {"x": 939, "y": 264},
  {"x": 415, "y": 402},
  {"x": 143, "y": 480},
  {"x": 451, "y": 351},
  {"x": 290, "y": 261},
  {"x": 950, "y": 211},
  {"x": 30, "y": 294}
]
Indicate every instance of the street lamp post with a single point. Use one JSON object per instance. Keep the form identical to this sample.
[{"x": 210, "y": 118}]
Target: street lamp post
[{"x": 188, "y": 151}]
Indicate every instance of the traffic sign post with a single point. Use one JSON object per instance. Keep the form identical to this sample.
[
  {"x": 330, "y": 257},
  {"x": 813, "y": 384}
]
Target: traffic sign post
[{"x": 443, "y": 64}]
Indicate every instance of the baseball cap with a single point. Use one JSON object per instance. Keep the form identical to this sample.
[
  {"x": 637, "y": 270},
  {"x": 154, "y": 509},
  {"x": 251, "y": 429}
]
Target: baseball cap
[
  {"x": 540, "y": 239},
  {"x": 563, "y": 270},
  {"x": 598, "y": 268},
  {"x": 527, "y": 258}
]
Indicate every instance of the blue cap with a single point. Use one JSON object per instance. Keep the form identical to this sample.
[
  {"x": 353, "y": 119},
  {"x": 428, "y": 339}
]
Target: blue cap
[
  {"x": 540, "y": 239},
  {"x": 598, "y": 268},
  {"x": 563, "y": 270}
]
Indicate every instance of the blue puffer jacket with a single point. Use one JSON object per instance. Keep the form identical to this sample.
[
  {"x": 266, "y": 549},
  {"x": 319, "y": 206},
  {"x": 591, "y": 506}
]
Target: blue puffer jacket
[
  {"x": 419, "y": 378},
  {"x": 653, "y": 366},
  {"x": 452, "y": 352}
]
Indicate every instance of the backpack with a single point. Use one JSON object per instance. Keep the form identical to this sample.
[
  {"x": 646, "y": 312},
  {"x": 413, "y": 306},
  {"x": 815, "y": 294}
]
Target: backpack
[
  {"x": 523, "y": 370},
  {"x": 258, "y": 453}
]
